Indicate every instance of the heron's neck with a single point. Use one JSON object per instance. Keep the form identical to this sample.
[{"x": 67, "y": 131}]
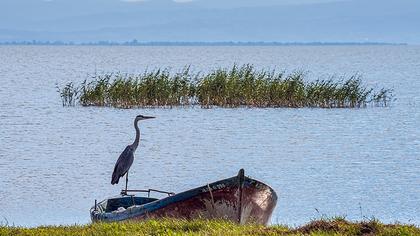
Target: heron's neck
[{"x": 137, "y": 140}]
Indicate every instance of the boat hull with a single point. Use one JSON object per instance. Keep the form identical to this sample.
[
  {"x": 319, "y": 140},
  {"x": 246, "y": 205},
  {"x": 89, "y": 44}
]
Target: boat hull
[{"x": 239, "y": 199}]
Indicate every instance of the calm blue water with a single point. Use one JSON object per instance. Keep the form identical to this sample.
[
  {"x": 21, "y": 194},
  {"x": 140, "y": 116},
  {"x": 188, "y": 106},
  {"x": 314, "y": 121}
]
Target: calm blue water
[{"x": 359, "y": 163}]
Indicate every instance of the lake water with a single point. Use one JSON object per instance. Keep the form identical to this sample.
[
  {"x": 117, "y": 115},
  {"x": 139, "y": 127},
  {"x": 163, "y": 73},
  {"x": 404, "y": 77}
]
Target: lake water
[{"x": 359, "y": 163}]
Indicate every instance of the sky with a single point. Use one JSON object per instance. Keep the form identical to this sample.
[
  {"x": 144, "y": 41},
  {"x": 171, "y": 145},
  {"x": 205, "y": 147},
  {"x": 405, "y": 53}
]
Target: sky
[{"x": 393, "y": 21}]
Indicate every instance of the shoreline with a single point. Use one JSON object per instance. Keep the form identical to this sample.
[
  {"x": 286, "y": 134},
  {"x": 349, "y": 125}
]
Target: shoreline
[{"x": 331, "y": 226}]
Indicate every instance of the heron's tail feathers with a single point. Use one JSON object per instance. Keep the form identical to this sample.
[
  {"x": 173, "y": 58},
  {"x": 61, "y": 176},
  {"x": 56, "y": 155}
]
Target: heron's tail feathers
[{"x": 115, "y": 178}]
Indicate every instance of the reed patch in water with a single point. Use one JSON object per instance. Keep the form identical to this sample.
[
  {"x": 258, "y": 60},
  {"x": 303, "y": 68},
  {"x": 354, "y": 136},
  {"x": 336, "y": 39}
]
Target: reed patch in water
[{"x": 239, "y": 86}]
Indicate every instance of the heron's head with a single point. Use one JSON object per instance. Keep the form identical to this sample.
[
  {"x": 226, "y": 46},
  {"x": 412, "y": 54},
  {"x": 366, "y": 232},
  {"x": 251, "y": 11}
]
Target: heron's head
[{"x": 141, "y": 117}]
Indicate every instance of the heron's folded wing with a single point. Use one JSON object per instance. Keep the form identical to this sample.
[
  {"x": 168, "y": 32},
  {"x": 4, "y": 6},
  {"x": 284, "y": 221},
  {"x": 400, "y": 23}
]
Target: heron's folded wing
[{"x": 124, "y": 162}]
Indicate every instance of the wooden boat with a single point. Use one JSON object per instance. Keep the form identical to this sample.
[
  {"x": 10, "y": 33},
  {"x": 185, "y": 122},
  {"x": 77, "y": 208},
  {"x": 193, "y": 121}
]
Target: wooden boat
[{"x": 240, "y": 199}]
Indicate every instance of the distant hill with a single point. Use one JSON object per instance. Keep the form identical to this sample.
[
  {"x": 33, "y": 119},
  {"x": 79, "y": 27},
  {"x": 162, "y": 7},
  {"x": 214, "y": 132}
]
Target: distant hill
[{"x": 205, "y": 21}]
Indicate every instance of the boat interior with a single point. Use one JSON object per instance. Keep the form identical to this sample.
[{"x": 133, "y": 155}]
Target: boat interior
[
  {"x": 126, "y": 200},
  {"x": 123, "y": 202}
]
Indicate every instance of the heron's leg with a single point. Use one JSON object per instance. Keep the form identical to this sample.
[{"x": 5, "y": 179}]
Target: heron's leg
[{"x": 126, "y": 182}]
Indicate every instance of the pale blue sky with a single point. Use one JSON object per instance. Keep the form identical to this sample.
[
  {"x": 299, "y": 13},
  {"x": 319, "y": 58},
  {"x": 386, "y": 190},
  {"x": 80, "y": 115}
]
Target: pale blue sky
[{"x": 211, "y": 20}]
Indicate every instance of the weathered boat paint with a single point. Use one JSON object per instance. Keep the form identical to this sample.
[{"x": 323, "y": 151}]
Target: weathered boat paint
[{"x": 240, "y": 199}]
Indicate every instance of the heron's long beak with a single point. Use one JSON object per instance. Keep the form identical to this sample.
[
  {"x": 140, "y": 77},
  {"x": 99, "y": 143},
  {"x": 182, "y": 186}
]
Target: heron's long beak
[{"x": 148, "y": 117}]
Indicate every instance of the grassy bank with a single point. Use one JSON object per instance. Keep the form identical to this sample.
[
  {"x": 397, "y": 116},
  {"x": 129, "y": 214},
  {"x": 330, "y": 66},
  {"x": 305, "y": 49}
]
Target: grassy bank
[
  {"x": 239, "y": 86},
  {"x": 202, "y": 227}
]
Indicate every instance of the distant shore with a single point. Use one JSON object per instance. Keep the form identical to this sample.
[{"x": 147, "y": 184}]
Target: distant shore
[{"x": 199, "y": 43}]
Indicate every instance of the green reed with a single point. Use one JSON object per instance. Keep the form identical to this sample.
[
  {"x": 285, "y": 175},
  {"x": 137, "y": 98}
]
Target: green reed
[
  {"x": 69, "y": 94},
  {"x": 239, "y": 86}
]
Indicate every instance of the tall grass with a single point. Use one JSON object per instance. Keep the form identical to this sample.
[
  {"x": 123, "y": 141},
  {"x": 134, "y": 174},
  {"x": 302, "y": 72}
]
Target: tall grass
[
  {"x": 217, "y": 227},
  {"x": 239, "y": 86}
]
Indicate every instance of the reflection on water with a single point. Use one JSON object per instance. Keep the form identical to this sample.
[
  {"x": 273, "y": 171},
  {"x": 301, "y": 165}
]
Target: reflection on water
[{"x": 55, "y": 161}]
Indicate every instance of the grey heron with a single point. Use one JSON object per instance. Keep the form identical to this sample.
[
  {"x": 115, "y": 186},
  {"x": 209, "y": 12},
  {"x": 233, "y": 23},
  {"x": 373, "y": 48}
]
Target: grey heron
[{"x": 126, "y": 158}]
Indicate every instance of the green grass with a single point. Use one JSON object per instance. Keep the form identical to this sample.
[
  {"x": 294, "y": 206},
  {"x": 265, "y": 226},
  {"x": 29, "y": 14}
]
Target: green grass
[
  {"x": 239, "y": 86},
  {"x": 335, "y": 226}
]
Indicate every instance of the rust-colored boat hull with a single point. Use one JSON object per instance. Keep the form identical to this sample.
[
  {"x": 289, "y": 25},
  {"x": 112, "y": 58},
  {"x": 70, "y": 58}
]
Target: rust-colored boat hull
[{"x": 239, "y": 199}]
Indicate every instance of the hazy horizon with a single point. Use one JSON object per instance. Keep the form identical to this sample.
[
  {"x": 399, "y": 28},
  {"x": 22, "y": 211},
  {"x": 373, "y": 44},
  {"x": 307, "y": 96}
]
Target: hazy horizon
[{"x": 284, "y": 21}]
